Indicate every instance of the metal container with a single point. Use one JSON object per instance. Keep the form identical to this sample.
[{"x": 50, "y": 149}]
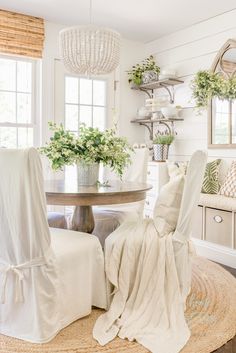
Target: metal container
[
  {"x": 149, "y": 76},
  {"x": 87, "y": 174},
  {"x": 160, "y": 152}
]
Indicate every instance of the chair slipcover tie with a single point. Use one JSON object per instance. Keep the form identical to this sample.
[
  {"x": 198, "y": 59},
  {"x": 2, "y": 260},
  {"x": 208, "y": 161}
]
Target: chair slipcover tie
[{"x": 18, "y": 271}]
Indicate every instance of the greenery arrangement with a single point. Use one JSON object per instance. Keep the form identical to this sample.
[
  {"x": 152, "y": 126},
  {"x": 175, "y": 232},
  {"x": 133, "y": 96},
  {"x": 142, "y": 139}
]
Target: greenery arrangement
[
  {"x": 91, "y": 146},
  {"x": 135, "y": 74},
  {"x": 207, "y": 85},
  {"x": 163, "y": 138}
]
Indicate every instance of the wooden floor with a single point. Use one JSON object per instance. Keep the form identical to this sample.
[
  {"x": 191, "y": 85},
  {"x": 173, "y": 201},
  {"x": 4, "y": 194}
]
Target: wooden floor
[{"x": 229, "y": 347}]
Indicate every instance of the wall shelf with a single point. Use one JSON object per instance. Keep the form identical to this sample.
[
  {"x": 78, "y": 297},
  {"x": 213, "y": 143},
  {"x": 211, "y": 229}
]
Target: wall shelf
[
  {"x": 149, "y": 124},
  {"x": 167, "y": 84}
]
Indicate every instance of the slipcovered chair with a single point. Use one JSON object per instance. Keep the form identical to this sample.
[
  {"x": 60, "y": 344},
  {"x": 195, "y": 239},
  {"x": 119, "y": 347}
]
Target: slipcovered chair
[
  {"x": 148, "y": 267},
  {"x": 109, "y": 217},
  {"x": 48, "y": 277}
]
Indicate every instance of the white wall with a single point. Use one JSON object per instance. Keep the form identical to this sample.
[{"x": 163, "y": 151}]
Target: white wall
[
  {"x": 130, "y": 100},
  {"x": 188, "y": 51},
  {"x": 126, "y": 100}
]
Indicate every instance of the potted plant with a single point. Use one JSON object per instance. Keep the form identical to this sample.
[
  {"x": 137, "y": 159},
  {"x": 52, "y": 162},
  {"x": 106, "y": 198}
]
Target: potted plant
[
  {"x": 207, "y": 85},
  {"x": 161, "y": 144},
  {"x": 145, "y": 72},
  {"x": 87, "y": 151}
]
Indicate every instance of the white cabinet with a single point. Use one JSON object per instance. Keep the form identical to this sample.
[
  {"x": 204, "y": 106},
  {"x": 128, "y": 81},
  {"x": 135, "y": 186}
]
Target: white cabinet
[{"x": 157, "y": 176}]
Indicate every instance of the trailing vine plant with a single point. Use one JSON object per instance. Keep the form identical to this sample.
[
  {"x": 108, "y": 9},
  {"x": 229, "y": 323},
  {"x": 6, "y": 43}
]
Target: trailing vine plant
[{"x": 207, "y": 85}]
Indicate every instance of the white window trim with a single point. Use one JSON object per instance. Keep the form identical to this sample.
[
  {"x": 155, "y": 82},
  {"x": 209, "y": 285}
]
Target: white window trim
[
  {"x": 35, "y": 122},
  {"x": 93, "y": 78},
  {"x": 59, "y": 92}
]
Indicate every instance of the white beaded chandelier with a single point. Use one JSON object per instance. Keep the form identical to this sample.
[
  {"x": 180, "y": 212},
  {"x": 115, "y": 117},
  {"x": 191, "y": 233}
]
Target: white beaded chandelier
[{"x": 89, "y": 50}]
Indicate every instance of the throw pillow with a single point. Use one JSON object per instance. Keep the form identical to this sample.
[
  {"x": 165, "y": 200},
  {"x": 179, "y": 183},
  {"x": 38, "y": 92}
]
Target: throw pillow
[
  {"x": 176, "y": 168},
  {"x": 229, "y": 186},
  {"x": 211, "y": 183},
  {"x": 166, "y": 211}
]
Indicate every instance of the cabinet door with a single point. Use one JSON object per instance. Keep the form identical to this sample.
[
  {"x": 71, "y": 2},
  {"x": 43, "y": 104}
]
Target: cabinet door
[
  {"x": 147, "y": 213},
  {"x": 219, "y": 227},
  {"x": 150, "y": 202},
  {"x": 197, "y": 228},
  {"x": 157, "y": 176}
]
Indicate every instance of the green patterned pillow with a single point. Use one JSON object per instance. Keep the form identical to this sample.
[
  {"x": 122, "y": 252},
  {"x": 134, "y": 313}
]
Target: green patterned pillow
[{"x": 211, "y": 183}]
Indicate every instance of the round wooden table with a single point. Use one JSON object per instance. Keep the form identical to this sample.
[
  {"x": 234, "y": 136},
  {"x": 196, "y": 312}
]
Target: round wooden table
[{"x": 68, "y": 193}]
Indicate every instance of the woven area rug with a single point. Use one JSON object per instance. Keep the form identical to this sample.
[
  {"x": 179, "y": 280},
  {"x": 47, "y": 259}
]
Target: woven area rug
[{"x": 211, "y": 315}]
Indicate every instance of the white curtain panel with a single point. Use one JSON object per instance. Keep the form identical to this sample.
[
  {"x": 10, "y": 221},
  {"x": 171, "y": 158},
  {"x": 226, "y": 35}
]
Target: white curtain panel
[
  {"x": 146, "y": 272},
  {"x": 44, "y": 283}
]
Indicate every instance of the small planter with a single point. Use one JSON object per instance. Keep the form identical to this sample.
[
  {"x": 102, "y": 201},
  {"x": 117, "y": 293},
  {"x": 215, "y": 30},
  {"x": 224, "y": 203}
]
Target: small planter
[
  {"x": 160, "y": 152},
  {"x": 149, "y": 76},
  {"x": 87, "y": 174}
]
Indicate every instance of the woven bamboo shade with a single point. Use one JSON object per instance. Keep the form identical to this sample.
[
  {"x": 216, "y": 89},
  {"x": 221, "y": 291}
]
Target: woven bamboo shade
[{"x": 21, "y": 34}]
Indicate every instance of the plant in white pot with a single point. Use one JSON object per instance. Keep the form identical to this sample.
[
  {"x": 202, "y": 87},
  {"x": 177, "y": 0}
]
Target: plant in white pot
[
  {"x": 87, "y": 151},
  {"x": 144, "y": 72},
  {"x": 161, "y": 144}
]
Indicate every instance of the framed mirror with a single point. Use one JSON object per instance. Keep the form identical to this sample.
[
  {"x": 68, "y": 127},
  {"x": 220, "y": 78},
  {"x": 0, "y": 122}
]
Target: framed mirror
[{"x": 222, "y": 113}]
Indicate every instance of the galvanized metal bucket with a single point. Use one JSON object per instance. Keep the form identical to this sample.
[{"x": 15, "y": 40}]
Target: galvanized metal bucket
[
  {"x": 87, "y": 174},
  {"x": 160, "y": 152}
]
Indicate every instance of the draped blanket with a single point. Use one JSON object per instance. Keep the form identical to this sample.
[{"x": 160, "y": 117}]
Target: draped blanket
[{"x": 147, "y": 305}]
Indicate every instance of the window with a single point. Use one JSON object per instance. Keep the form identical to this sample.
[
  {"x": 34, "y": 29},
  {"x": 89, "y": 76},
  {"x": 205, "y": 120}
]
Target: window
[
  {"x": 17, "y": 118},
  {"x": 85, "y": 102}
]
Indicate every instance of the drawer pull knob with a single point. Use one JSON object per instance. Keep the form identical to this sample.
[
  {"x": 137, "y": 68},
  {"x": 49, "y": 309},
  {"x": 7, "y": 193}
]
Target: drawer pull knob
[
  {"x": 147, "y": 216},
  {"x": 148, "y": 172},
  {"x": 218, "y": 219},
  {"x": 147, "y": 202}
]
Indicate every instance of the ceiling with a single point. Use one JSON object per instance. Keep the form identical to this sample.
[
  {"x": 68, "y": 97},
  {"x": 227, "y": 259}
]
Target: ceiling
[{"x": 141, "y": 20}]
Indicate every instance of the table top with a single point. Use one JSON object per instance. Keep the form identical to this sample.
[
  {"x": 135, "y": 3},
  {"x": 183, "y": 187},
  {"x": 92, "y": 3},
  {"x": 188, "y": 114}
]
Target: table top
[{"x": 68, "y": 192}]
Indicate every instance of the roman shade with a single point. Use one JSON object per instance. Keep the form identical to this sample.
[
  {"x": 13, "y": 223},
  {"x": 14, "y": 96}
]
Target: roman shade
[{"x": 21, "y": 34}]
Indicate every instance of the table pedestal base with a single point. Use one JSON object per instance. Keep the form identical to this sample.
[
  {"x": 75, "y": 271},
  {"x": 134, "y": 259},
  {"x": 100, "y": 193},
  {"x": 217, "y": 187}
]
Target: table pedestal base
[{"x": 82, "y": 219}]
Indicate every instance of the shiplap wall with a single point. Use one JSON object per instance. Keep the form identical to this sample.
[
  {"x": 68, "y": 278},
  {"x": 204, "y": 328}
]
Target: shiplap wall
[{"x": 188, "y": 51}]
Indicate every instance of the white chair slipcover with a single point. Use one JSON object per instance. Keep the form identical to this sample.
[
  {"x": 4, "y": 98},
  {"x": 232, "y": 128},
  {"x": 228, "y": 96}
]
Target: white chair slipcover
[
  {"x": 48, "y": 278},
  {"x": 109, "y": 217},
  {"x": 182, "y": 235},
  {"x": 149, "y": 273}
]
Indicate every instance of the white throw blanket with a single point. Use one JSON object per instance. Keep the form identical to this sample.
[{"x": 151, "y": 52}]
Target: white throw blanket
[
  {"x": 149, "y": 264},
  {"x": 147, "y": 305}
]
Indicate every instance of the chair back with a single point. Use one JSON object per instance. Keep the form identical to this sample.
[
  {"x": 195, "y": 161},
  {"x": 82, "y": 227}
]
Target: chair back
[
  {"x": 183, "y": 248},
  {"x": 29, "y": 284},
  {"x": 191, "y": 193},
  {"x": 24, "y": 231},
  {"x": 137, "y": 170}
]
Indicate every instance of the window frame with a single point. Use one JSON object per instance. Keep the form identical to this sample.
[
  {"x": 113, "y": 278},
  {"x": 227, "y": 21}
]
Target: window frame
[
  {"x": 93, "y": 78},
  {"x": 34, "y": 116},
  {"x": 59, "y": 93},
  {"x": 230, "y": 44}
]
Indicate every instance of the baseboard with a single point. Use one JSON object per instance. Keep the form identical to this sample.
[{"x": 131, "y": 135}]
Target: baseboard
[{"x": 215, "y": 252}]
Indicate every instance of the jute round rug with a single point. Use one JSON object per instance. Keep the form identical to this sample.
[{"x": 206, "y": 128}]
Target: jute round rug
[{"x": 211, "y": 315}]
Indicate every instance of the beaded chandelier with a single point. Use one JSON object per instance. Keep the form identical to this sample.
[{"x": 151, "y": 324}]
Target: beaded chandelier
[{"x": 89, "y": 50}]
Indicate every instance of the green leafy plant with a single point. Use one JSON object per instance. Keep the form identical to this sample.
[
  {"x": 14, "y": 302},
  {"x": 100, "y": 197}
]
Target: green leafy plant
[
  {"x": 135, "y": 74},
  {"x": 163, "y": 138},
  {"x": 207, "y": 85},
  {"x": 92, "y": 146}
]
